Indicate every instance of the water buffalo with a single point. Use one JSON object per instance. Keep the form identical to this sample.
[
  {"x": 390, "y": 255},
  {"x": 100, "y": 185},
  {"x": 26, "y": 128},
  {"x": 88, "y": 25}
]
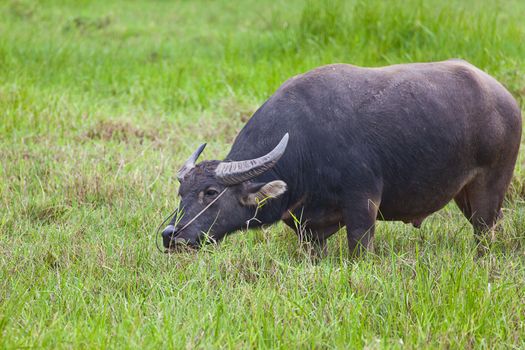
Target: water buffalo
[{"x": 344, "y": 146}]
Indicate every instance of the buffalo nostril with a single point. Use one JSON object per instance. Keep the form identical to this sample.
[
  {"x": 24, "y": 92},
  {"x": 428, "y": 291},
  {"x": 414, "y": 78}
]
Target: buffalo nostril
[
  {"x": 168, "y": 234},
  {"x": 168, "y": 231}
]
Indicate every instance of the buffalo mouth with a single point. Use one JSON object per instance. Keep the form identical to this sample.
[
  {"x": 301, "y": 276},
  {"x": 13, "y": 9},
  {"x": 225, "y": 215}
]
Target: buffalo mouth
[{"x": 179, "y": 245}]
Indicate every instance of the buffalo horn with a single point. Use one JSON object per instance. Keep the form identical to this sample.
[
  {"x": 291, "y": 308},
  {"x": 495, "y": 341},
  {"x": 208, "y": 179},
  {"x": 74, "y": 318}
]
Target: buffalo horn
[
  {"x": 232, "y": 173},
  {"x": 190, "y": 163}
]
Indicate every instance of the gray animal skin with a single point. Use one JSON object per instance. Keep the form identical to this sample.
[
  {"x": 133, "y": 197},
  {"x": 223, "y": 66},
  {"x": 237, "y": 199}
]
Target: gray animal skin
[{"x": 389, "y": 143}]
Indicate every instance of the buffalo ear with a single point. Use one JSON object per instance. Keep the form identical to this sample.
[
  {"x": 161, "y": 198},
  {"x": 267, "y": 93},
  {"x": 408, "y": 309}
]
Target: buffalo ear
[{"x": 258, "y": 192}]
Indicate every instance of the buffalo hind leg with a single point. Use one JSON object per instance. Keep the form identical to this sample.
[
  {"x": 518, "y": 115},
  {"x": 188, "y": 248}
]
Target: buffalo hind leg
[
  {"x": 462, "y": 201},
  {"x": 360, "y": 217},
  {"x": 481, "y": 201}
]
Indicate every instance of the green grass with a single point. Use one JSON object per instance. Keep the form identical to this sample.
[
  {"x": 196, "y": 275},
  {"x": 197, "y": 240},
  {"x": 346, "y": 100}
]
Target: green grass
[{"x": 100, "y": 103}]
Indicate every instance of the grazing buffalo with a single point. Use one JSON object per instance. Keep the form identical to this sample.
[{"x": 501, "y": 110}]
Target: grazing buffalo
[{"x": 344, "y": 146}]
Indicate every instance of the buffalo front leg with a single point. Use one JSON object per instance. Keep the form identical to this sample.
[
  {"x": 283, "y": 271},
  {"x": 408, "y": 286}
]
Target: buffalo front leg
[
  {"x": 360, "y": 217},
  {"x": 313, "y": 239},
  {"x": 315, "y": 247}
]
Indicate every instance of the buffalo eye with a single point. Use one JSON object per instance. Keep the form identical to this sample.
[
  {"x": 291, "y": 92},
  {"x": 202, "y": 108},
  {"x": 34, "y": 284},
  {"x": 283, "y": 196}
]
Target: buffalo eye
[{"x": 211, "y": 192}]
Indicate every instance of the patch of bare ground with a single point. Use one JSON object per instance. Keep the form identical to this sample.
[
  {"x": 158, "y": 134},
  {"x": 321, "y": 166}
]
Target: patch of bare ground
[
  {"x": 22, "y": 9},
  {"x": 86, "y": 24},
  {"x": 93, "y": 189},
  {"x": 46, "y": 213},
  {"x": 120, "y": 131}
]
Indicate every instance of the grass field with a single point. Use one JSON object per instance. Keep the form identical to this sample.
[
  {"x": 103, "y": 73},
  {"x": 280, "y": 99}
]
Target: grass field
[{"x": 101, "y": 102}]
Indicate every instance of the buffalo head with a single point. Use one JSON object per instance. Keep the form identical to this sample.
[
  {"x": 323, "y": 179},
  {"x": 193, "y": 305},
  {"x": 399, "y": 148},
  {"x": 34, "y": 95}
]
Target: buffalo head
[{"x": 217, "y": 198}]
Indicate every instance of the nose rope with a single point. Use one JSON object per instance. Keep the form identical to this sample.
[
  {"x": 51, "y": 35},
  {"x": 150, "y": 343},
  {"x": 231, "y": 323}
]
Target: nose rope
[
  {"x": 160, "y": 226},
  {"x": 189, "y": 223}
]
